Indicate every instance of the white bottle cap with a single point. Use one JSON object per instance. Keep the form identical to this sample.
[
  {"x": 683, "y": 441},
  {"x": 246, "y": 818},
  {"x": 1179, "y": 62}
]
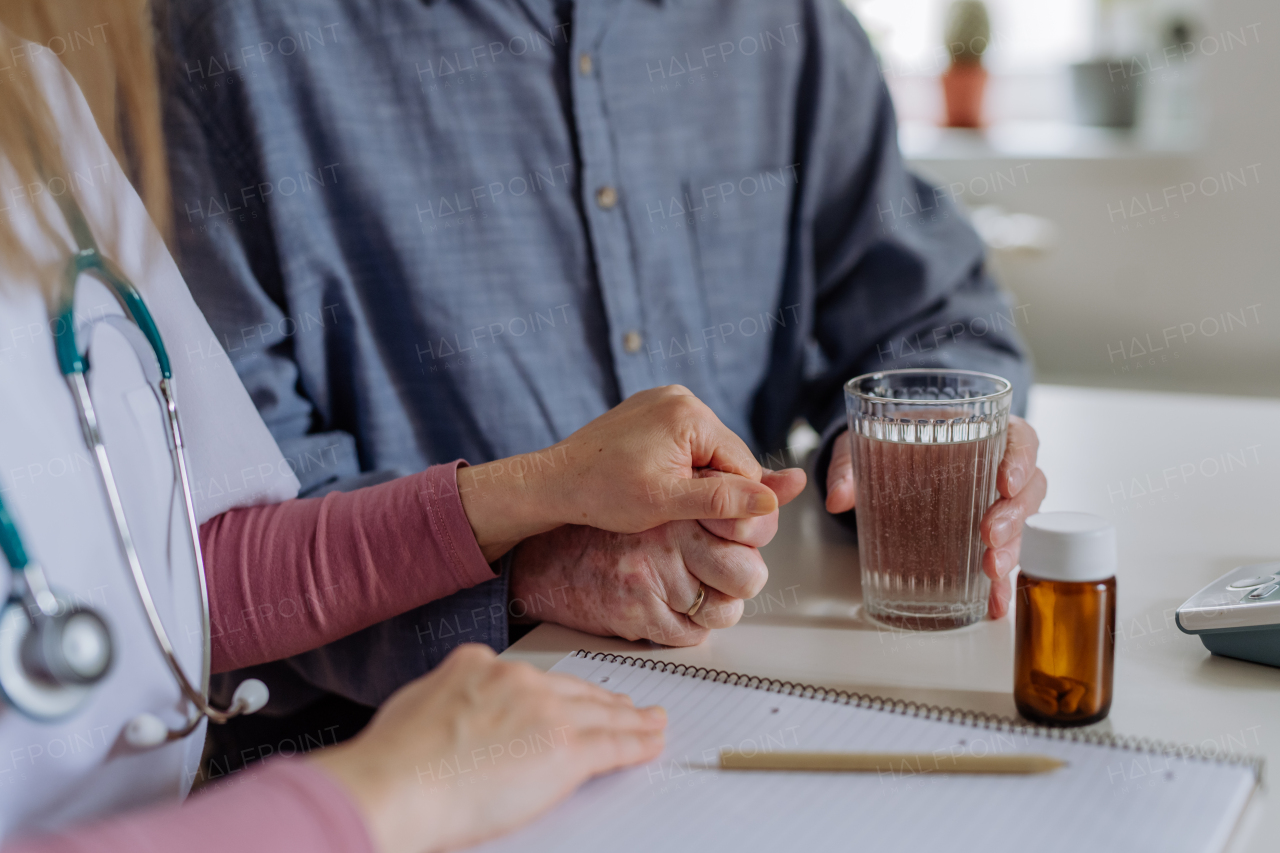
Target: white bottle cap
[{"x": 1068, "y": 546}]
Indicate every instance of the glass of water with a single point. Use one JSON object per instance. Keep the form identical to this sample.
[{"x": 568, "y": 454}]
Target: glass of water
[{"x": 926, "y": 445}]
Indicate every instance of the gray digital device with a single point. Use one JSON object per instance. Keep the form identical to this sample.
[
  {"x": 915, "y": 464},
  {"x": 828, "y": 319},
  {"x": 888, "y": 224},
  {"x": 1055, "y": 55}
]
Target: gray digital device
[{"x": 1238, "y": 615}]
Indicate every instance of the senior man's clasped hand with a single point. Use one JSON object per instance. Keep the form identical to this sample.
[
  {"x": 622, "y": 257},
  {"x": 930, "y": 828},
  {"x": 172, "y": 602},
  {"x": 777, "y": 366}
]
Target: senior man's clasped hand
[
  {"x": 645, "y": 462},
  {"x": 624, "y": 525}
]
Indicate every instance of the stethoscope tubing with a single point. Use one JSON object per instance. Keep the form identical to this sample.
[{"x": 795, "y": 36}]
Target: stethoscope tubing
[
  {"x": 193, "y": 529},
  {"x": 124, "y": 536},
  {"x": 30, "y": 583},
  {"x": 89, "y": 260}
]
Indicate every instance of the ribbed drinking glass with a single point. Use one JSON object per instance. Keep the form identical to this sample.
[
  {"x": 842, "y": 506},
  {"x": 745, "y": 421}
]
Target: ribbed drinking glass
[{"x": 926, "y": 445}]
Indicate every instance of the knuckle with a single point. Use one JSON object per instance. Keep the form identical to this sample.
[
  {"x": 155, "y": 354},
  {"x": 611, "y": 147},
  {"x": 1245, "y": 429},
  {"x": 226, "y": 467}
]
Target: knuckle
[
  {"x": 754, "y": 575},
  {"x": 724, "y": 614},
  {"x": 673, "y": 396},
  {"x": 731, "y": 612},
  {"x": 684, "y": 408},
  {"x": 500, "y": 672},
  {"x": 526, "y": 675},
  {"x": 690, "y": 404},
  {"x": 639, "y": 581},
  {"x": 721, "y": 498},
  {"x": 515, "y": 673},
  {"x": 574, "y": 739}
]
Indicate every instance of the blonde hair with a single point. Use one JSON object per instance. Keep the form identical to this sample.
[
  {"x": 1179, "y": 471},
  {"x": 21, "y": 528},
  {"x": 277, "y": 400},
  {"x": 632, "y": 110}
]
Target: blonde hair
[{"x": 108, "y": 46}]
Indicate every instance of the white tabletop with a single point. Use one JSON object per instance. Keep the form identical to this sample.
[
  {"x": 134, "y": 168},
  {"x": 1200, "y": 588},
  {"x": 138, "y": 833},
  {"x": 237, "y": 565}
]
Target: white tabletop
[{"x": 1193, "y": 486}]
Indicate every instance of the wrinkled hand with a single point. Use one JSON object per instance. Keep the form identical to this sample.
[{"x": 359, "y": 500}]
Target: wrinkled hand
[
  {"x": 1021, "y": 486},
  {"x": 636, "y": 586},
  {"x": 480, "y": 746}
]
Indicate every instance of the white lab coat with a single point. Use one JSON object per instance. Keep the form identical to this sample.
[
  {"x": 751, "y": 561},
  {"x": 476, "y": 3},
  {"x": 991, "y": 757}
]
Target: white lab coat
[{"x": 56, "y": 774}]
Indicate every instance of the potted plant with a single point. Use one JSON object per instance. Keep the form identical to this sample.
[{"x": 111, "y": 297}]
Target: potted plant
[
  {"x": 967, "y": 34},
  {"x": 1105, "y": 88}
]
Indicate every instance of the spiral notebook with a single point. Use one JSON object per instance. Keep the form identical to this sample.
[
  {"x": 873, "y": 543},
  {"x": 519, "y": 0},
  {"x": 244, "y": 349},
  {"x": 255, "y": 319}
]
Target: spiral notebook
[{"x": 1116, "y": 794}]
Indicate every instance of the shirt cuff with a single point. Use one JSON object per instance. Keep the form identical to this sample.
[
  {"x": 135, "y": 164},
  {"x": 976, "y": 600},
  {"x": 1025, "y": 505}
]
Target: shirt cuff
[{"x": 442, "y": 504}]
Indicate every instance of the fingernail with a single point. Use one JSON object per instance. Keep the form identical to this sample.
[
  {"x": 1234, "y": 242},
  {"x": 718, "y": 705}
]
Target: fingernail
[
  {"x": 1001, "y": 532},
  {"x": 1017, "y": 478},
  {"x": 762, "y": 504},
  {"x": 844, "y": 482}
]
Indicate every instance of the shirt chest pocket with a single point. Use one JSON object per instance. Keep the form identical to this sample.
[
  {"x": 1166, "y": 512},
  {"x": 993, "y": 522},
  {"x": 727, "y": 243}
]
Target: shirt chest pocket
[{"x": 740, "y": 244}]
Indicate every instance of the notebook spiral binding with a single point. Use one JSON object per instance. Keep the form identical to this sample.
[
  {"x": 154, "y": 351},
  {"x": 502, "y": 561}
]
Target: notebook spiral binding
[{"x": 976, "y": 719}]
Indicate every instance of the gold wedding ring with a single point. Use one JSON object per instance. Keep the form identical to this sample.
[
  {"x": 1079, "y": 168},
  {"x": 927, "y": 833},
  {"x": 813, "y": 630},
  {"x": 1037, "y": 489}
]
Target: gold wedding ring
[{"x": 697, "y": 602}]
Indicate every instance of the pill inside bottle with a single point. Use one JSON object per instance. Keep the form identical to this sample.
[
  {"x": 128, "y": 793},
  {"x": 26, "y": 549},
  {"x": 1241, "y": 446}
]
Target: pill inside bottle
[{"x": 1066, "y": 611}]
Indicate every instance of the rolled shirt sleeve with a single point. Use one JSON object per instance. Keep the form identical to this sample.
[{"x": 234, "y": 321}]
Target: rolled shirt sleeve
[{"x": 293, "y": 576}]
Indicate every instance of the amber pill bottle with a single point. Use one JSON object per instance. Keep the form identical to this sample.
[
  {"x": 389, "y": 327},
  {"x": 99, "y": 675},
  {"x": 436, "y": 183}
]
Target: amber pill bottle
[{"x": 1064, "y": 652}]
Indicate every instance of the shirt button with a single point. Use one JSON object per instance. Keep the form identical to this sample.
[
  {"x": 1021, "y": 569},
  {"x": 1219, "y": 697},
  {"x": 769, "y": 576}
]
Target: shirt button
[
  {"x": 631, "y": 341},
  {"x": 606, "y": 197},
  {"x": 584, "y": 64}
]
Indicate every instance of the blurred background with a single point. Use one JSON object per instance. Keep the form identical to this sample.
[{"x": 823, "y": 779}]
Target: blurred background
[{"x": 1118, "y": 157}]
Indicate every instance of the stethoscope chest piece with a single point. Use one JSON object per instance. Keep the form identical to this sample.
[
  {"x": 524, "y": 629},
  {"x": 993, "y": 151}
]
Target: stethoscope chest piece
[{"x": 50, "y": 663}]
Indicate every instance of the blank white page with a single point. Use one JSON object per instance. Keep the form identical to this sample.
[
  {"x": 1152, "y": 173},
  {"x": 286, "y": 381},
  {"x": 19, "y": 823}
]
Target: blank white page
[{"x": 1106, "y": 799}]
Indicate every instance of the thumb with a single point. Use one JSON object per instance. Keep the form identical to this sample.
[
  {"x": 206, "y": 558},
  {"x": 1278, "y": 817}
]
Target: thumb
[
  {"x": 787, "y": 484},
  {"x": 723, "y": 496}
]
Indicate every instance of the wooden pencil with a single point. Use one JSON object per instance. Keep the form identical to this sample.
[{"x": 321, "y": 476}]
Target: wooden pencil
[{"x": 890, "y": 762}]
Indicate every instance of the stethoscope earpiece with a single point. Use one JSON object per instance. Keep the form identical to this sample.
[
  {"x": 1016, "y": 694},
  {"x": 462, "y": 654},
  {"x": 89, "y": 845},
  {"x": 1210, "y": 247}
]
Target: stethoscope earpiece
[
  {"x": 250, "y": 696},
  {"x": 146, "y": 731}
]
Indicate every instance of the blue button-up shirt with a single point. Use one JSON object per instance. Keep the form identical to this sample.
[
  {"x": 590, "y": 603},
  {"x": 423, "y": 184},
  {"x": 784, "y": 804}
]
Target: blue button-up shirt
[{"x": 432, "y": 230}]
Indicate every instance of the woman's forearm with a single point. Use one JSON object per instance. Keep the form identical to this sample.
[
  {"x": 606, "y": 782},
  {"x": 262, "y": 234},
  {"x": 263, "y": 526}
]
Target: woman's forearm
[
  {"x": 288, "y": 805},
  {"x": 509, "y": 500},
  {"x": 290, "y": 577}
]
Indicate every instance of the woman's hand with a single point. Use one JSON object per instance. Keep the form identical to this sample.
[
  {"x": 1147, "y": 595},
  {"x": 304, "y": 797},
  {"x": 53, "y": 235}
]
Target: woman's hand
[
  {"x": 633, "y": 468},
  {"x": 480, "y": 746}
]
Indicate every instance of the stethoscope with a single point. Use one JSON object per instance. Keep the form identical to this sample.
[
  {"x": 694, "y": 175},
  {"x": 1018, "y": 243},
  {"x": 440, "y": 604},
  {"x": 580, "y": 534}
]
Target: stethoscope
[{"x": 52, "y": 651}]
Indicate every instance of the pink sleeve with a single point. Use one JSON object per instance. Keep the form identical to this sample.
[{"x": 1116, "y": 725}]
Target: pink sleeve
[
  {"x": 292, "y": 576},
  {"x": 288, "y": 804}
]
